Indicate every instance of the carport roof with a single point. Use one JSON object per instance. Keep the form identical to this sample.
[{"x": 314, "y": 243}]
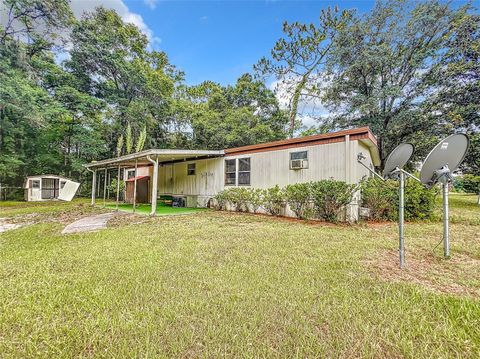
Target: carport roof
[{"x": 164, "y": 155}]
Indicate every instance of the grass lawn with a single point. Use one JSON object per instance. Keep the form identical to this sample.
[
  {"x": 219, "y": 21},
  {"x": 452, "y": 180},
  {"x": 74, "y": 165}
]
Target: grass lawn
[
  {"x": 219, "y": 284},
  {"x": 162, "y": 209}
]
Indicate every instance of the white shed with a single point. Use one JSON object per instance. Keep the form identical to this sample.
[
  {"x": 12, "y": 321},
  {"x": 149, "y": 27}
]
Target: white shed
[{"x": 49, "y": 187}]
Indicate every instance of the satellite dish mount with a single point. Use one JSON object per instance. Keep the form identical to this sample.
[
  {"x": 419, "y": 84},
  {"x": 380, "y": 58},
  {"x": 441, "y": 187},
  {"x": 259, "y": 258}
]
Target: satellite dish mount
[{"x": 445, "y": 158}]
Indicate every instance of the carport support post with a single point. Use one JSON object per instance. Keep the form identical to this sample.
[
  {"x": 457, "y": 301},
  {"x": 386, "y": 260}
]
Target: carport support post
[
  {"x": 154, "y": 187},
  {"x": 118, "y": 187},
  {"x": 94, "y": 185},
  {"x": 104, "y": 187},
  {"x": 135, "y": 186}
]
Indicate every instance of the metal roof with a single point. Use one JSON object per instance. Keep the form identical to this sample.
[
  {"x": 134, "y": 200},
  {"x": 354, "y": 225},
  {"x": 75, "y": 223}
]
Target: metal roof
[
  {"x": 164, "y": 155},
  {"x": 362, "y": 134}
]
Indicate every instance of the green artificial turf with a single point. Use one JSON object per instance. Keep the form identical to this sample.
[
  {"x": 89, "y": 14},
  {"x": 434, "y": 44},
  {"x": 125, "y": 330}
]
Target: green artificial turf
[{"x": 222, "y": 284}]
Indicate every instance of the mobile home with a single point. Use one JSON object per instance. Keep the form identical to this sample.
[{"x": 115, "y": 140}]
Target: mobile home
[{"x": 197, "y": 175}]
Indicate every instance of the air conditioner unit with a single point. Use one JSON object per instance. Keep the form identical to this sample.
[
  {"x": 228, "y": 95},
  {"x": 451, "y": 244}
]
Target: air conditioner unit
[{"x": 298, "y": 164}]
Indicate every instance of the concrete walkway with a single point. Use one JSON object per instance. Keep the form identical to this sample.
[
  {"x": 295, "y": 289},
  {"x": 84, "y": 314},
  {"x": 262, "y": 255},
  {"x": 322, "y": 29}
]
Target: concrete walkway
[{"x": 88, "y": 224}]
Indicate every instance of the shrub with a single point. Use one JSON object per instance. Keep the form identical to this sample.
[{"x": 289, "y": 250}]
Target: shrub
[
  {"x": 298, "y": 198},
  {"x": 221, "y": 200},
  {"x": 256, "y": 198},
  {"x": 274, "y": 200},
  {"x": 467, "y": 183},
  {"x": 237, "y": 197},
  {"x": 419, "y": 201},
  {"x": 382, "y": 199},
  {"x": 329, "y": 196}
]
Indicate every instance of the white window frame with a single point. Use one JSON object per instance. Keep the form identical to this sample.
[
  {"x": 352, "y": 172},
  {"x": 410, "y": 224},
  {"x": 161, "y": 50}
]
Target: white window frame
[
  {"x": 194, "y": 169},
  {"x": 235, "y": 171},
  {"x": 297, "y": 159},
  {"x": 249, "y": 171}
]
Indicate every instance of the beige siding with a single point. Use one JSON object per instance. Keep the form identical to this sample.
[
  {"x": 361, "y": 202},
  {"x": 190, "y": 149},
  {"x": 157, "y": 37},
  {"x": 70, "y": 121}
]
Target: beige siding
[
  {"x": 273, "y": 167},
  {"x": 207, "y": 181},
  {"x": 270, "y": 168},
  {"x": 361, "y": 171}
]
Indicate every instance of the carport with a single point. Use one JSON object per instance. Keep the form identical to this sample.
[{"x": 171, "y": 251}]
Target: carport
[{"x": 153, "y": 157}]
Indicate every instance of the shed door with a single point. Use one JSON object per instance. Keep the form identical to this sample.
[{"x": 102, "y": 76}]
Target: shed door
[
  {"x": 49, "y": 188},
  {"x": 68, "y": 190}
]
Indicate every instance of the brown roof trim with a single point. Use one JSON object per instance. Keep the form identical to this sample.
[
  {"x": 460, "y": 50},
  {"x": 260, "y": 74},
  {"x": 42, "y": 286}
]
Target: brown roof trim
[{"x": 324, "y": 138}]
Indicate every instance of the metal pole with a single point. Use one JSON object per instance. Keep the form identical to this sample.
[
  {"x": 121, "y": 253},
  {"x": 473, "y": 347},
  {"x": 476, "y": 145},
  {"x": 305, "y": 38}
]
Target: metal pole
[
  {"x": 118, "y": 187},
  {"x": 108, "y": 187},
  {"x": 446, "y": 240},
  {"x": 153, "y": 212},
  {"x": 104, "y": 187},
  {"x": 94, "y": 185},
  {"x": 401, "y": 216},
  {"x": 135, "y": 186}
]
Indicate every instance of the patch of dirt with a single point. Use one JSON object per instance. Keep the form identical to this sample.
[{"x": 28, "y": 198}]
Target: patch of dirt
[
  {"x": 130, "y": 219},
  {"x": 450, "y": 276},
  {"x": 6, "y": 225},
  {"x": 64, "y": 217}
]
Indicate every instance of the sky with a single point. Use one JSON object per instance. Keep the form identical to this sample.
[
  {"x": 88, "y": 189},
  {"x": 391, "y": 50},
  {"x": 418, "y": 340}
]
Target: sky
[
  {"x": 221, "y": 40},
  {"x": 215, "y": 40}
]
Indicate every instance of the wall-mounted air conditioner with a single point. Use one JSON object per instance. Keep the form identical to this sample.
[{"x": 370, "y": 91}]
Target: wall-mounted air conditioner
[{"x": 298, "y": 164}]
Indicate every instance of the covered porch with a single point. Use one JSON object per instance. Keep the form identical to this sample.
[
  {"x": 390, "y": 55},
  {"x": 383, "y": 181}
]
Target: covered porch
[{"x": 113, "y": 168}]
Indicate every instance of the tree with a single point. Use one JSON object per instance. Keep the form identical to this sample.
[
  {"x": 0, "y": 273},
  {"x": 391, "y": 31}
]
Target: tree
[
  {"x": 382, "y": 67},
  {"x": 222, "y": 117},
  {"x": 457, "y": 98},
  {"x": 298, "y": 60},
  {"x": 34, "y": 20},
  {"x": 141, "y": 139},
  {"x": 129, "y": 139},
  {"x": 113, "y": 63}
]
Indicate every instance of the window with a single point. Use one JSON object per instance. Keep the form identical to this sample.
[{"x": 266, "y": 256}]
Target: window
[
  {"x": 191, "y": 169},
  {"x": 130, "y": 174},
  {"x": 244, "y": 171},
  {"x": 230, "y": 172},
  {"x": 302, "y": 155},
  {"x": 35, "y": 184}
]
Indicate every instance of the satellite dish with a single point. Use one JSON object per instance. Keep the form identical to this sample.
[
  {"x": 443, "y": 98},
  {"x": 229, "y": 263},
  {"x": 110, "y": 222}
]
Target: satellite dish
[
  {"x": 398, "y": 158},
  {"x": 445, "y": 158}
]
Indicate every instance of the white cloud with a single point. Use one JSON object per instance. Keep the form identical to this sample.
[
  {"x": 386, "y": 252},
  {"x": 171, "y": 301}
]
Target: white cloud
[
  {"x": 152, "y": 4},
  {"x": 81, "y": 6}
]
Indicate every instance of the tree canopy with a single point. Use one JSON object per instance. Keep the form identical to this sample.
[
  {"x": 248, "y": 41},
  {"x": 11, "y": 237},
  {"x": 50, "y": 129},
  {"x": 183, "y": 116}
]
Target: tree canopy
[{"x": 77, "y": 90}]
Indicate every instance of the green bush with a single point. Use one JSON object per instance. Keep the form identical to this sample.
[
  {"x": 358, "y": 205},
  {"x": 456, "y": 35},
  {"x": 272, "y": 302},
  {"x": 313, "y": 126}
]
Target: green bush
[
  {"x": 274, "y": 200},
  {"x": 221, "y": 200},
  {"x": 241, "y": 198},
  {"x": 329, "y": 196},
  {"x": 382, "y": 199},
  {"x": 467, "y": 183},
  {"x": 255, "y": 199},
  {"x": 298, "y": 197}
]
